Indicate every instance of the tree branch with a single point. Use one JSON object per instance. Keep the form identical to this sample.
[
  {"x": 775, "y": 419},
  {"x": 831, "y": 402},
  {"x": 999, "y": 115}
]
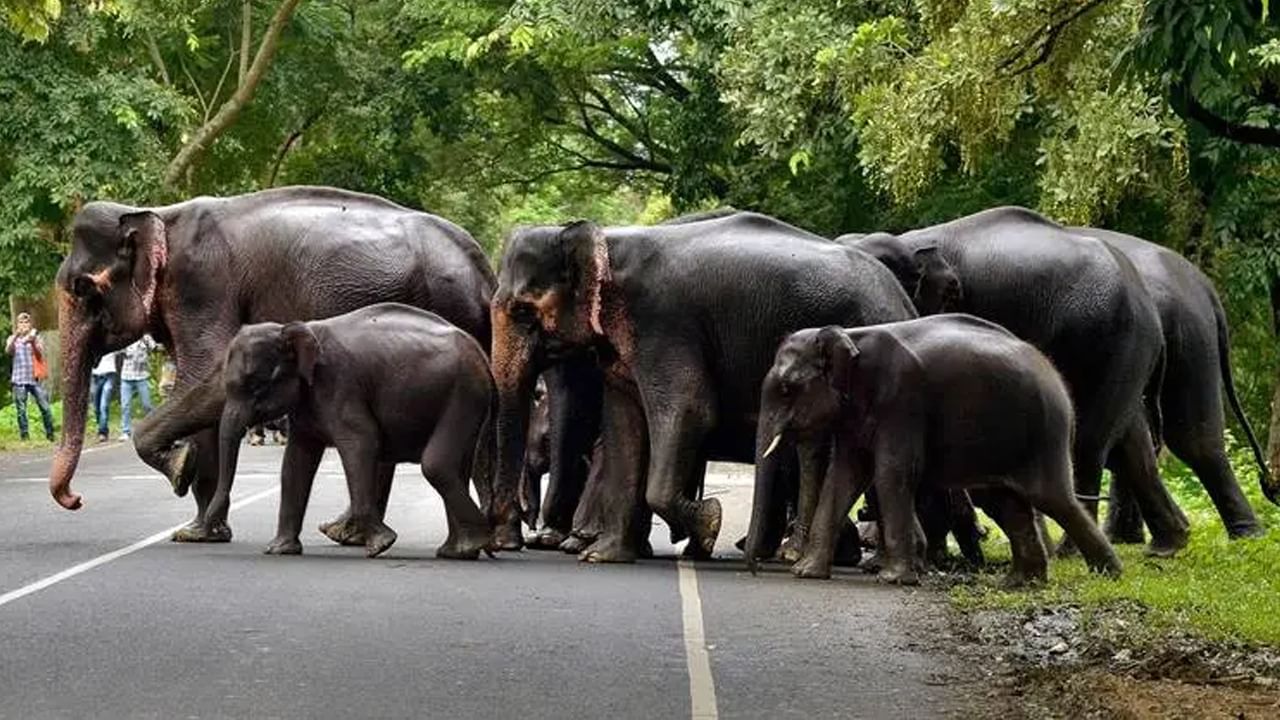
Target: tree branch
[
  {"x": 246, "y": 38},
  {"x": 1184, "y": 102},
  {"x": 231, "y": 109},
  {"x": 1045, "y": 39},
  {"x": 154, "y": 51},
  {"x": 231, "y": 58},
  {"x": 287, "y": 145}
]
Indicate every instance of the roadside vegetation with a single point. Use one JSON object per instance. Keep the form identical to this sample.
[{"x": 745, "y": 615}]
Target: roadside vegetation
[{"x": 1220, "y": 589}]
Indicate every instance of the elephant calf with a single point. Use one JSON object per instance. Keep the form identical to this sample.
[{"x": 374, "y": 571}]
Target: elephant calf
[
  {"x": 384, "y": 384},
  {"x": 948, "y": 401}
]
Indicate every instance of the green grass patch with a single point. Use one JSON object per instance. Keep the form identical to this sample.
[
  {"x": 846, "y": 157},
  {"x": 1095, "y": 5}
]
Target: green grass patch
[{"x": 1219, "y": 588}]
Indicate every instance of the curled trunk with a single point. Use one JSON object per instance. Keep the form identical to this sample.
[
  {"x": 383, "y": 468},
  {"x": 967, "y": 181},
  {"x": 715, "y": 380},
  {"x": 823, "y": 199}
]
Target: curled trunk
[{"x": 76, "y": 361}]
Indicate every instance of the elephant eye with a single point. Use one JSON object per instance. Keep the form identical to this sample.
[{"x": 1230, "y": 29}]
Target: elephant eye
[{"x": 523, "y": 313}]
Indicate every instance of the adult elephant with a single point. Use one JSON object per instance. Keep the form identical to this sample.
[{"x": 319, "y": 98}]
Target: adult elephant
[
  {"x": 684, "y": 320},
  {"x": 1197, "y": 374},
  {"x": 1078, "y": 300},
  {"x": 193, "y": 273}
]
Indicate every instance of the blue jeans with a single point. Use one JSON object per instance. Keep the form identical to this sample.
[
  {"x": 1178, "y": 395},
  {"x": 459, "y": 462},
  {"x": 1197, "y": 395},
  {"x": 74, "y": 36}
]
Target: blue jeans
[
  {"x": 100, "y": 398},
  {"x": 127, "y": 389},
  {"x": 20, "y": 400}
]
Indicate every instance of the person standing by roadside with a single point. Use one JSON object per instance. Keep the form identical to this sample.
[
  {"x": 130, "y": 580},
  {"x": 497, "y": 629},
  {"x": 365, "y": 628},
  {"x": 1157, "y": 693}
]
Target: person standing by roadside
[
  {"x": 135, "y": 377},
  {"x": 28, "y": 351},
  {"x": 104, "y": 378}
]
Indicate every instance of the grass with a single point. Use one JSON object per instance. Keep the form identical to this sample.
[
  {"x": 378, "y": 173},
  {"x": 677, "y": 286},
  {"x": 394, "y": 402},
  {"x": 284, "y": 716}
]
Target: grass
[
  {"x": 1220, "y": 589},
  {"x": 10, "y": 440}
]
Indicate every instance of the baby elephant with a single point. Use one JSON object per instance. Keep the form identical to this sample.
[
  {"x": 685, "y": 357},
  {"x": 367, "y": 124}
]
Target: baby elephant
[
  {"x": 947, "y": 402},
  {"x": 385, "y": 384}
]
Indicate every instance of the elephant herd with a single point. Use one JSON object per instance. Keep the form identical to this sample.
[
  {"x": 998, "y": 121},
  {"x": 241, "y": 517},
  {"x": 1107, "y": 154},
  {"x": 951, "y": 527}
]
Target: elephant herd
[{"x": 999, "y": 358}]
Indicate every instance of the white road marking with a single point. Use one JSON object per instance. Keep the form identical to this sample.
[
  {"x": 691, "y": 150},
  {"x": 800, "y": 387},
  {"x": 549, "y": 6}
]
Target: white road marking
[
  {"x": 702, "y": 687},
  {"x": 84, "y": 567}
]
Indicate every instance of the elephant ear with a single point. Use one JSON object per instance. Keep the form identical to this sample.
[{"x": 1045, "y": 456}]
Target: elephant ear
[
  {"x": 300, "y": 346},
  {"x": 840, "y": 357},
  {"x": 938, "y": 288},
  {"x": 141, "y": 250},
  {"x": 577, "y": 249}
]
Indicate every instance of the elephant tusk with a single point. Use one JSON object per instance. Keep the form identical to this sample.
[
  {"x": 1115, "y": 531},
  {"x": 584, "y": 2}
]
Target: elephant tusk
[{"x": 772, "y": 446}]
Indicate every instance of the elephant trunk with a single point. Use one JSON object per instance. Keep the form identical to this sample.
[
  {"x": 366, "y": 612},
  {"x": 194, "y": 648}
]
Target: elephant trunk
[
  {"x": 514, "y": 376},
  {"x": 235, "y": 422},
  {"x": 76, "y": 361},
  {"x": 768, "y": 441}
]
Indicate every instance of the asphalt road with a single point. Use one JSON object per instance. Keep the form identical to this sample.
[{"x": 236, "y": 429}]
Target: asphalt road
[{"x": 102, "y": 617}]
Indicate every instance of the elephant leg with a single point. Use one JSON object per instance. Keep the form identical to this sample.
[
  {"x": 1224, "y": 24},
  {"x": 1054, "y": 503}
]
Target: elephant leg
[
  {"x": 446, "y": 464},
  {"x": 1124, "y": 518},
  {"x": 203, "y": 448},
  {"x": 302, "y": 457},
  {"x": 588, "y": 518},
  {"x": 343, "y": 530},
  {"x": 1016, "y": 517},
  {"x": 1201, "y": 448},
  {"x": 1136, "y": 460},
  {"x": 813, "y": 458},
  {"x": 164, "y": 438},
  {"x": 901, "y": 538},
  {"x": 359, "y": 455},
  {"x": 618, "y": 496},
  {"x": 842, "y": 485},
  {"x": 964, "y": 526},
  {"x": 574, "y": 394}
]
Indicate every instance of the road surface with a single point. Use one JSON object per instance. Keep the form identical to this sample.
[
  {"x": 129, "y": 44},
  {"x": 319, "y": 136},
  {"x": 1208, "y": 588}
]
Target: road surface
[{"x": 101, "y": 616}]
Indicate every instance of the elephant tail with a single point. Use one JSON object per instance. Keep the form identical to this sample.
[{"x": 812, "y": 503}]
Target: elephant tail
[
  {"x": 1229, "y": 384},
  {"x": 1151, "y": 399}
]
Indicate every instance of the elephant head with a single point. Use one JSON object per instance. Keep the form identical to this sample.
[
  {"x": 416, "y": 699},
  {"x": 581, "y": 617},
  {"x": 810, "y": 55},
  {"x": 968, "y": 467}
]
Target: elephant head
[
  {"x": 267, "y": 371},
  {"x": 106, "y": 292},
  {"x": 926, "y": 275},
  {"x": 546, "y": 307},
  {"x": 803, "y": 394}
]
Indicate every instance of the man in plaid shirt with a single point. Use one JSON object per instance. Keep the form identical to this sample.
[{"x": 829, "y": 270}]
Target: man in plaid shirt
[
  {"x": 23, "y": 344},
  {"x": 135, "y": 377}
]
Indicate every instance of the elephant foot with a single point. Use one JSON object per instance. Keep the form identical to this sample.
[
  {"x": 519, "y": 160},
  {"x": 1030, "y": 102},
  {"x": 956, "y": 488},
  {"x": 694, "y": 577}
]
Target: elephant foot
[
  {"x": 1066, "y": 549},
  {"x": 1017, "y": 579},
  {"x": 283, "y": 546},
  {"x": 197, "y": 531},
  {"x": 705, "y": 530},
  {"x": 378, "y": 539},
  {"x": 507, "y": 536},
  {"x": 545, "y": 539},
  {"x": 1243, "y": 530},
  {"x": 1167, "y": 547},
  {"x": 466, "y": 547},
  {"x": 343, "y": 531},
  {"x": 608, "y": 550},
  {"x": 181, "y": 468},
  {"x": 898, "y": 575},
  {"x": 811, "y": 568},
  {"x": 646, "y": 549},
  {"x": 792, "y": 548},
  {"x": 575, "y": 544}
]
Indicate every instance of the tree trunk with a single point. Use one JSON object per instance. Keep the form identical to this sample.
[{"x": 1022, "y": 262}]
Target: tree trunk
[
  {"x": 246, "y": 39},
  {"x": 206, "y": 134}
]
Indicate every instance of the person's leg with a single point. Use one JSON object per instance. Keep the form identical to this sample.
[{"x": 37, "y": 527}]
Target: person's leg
[
  {"x": 144, "y": 396},
  {"x": 95, "y": 399},
  {"x": 104, "y": 406},
  {"x": 20, "y": 402},
  {"x": 126, "y": 405},
  {"x": 46, "y": 415}
]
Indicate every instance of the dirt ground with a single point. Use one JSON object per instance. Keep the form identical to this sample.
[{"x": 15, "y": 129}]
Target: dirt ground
[{"x": 1102, "y": 664}]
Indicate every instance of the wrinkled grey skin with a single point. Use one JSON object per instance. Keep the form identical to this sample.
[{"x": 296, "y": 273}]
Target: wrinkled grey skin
[
  {"x": 1197, "y": 376},
  {"x": 1082, "y": 303},
  {"x": 385, "y": 384},
  {"x": 944, "y": 402},
  {"x": 192, "y": 273},
  {"x": 537, "y": 457}
]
